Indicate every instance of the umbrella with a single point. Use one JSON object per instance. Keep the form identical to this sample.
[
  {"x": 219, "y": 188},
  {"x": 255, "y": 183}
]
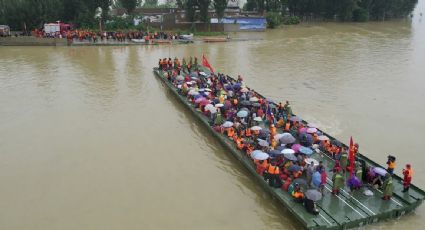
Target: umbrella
[
  {"x": 306, "y": 151},
  {"x": 311, "y": 130},
  {"x": 242, "y": 113},
  {"x": 193, "y": 75},
  {"x": 290, "y": 156},
  {"x": 259, "y": 155},
  {"x": 256, "y": 128},
  {"x": 323, "y": 138},
  {"x": 274, "y": 152},
  {"x": 253, "y": 99},
  {"x": 189, "y": 83},
  {"x": 258, "y": 119},
  {"x": 302, "y": 130},
  {"x": 287, "y": 138},
  {"x": 294, "y": 168},
  {"x": 219, "y": 105},
  {"x": 244, "y": 90},
  {"x": 280, "y": 148},
  {"x": 313, "y": 194},
  {"x": 296, "y": 147},
  {"x": 213, "y": 110},
  {"x": 311, "y": 160},
  {"x": 193, "y": 92},
  {"x": 201, "y": 90},
  {"x": 207, "y": 89},
  {"x": 180, "y": 78},
  {"x": 316, "y": 178},
  {"x": 199, "y": 99},
  {"x": 227, "y": 124},
  {"x": 336, "y": 143},
  {"x": 380, "y": 171},
  {"x": 256, "y": 104},
  {"x": 278, "y": 136},
  {"x": 203, "y": 74},
  {"x": 263, "y": 143},
  {"x": 237, "y": 86},
  {"x": 288, "y": 151},
  {"x": 209, "y": 106},
  {"x": 245, "y": 103},
  {"x": 300, "y": 181},
  {"x": 295, "y": 118},
  {"x": 312, "y": 125}
]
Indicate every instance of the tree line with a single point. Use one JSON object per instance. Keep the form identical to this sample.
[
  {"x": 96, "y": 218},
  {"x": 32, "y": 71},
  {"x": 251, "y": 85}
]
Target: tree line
[
  {"x": 343, "y": 10},
  {"x": 29, "y": 14}
]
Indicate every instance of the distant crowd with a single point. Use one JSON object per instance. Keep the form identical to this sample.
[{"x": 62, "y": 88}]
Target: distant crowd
[{"x": 96, "y": 36}]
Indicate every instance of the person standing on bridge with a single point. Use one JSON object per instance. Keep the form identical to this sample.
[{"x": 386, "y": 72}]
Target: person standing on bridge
[
  {"x": 408, "y": 173},
  {"x": 338, "y": 182},
  {"x": 387, "y": 187}
]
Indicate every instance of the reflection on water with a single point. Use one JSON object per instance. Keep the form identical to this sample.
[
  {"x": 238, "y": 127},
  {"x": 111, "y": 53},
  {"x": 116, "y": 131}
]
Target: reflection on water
[{"x": 91, "y": 140}]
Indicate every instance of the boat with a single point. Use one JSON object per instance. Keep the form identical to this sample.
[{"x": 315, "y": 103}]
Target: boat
[
  {"x": 169, "y": 42},
  {"x": 186, "y": 37},
  {"x": 215, "y": 39},
  {"x": 346, "y": 210},
  {"x": 138, "y": 40}
]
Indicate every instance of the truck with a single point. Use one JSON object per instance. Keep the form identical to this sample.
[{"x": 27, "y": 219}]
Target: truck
[{"x": 55, "y": 28}]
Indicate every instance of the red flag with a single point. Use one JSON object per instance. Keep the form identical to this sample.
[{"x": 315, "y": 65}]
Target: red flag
[
  {"x": 206, "y": 63},
  {"x": 351, "y": 157}
]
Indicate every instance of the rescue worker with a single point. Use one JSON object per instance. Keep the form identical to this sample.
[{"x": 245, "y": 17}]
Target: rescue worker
[
  {"x": 273, "y": 174},
  {"x": 408, "y": 173},
  {"x": 387, "y": 187},
  {"x": 391, "y": 164},
  {"x": 338, "y": 183},
  {"x": 297, "y": 194}
]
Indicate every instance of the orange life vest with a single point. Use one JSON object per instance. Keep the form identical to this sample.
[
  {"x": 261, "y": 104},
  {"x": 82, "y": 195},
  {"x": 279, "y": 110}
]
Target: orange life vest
[
  {"x": 287, "y": 126},
  {"x": 274, "y": 170},
  {"x": 248, "y": 132},
  {"x": 230, "y": 132}
]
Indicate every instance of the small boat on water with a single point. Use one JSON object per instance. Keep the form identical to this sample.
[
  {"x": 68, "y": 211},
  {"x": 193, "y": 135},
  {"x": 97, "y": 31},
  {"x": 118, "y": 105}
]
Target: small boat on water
[
  {"x": 215, "y": 39},
  {"x": 186, "y": 37},
  {"x": 349, "y": 209},
  {"x": 169, "y": 42}
]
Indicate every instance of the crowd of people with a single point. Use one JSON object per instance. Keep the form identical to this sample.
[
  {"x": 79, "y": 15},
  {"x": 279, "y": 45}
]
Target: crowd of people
[
  {"x": 104, "y": 36},
  {"x": 280, "y": 144}
]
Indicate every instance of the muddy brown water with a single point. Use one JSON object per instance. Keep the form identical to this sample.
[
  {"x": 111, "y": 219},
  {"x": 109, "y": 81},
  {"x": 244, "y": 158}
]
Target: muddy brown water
[{"x": 89, "y": 139}]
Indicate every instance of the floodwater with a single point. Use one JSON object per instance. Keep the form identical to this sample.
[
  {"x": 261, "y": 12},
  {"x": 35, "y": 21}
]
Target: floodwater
[{"x": 89, "y": 139}]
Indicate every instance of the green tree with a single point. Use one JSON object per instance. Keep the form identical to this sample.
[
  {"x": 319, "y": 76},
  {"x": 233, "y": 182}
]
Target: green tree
[
  {"x": 203, "y": 6},
  {"x": 191, "y": 10},
  {"x": 150, "y": 3},
  {"x": 129, "y": 5},
  {"x": 220, "y": 6}
]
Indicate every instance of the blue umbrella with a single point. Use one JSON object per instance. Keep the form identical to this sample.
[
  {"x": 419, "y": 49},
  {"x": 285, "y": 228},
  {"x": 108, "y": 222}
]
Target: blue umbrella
[
  {"x": 290, "y": 156},
  {"x": 242, "y": 113},
  {"x": 305, "y": 150},
  {"x": 280, "y": 148},
  {"x": 236, "y": 86},
  {"x": 274, "y": 153},
  {"x": 317, "y": 179},
  {"x": 294, "y": 168}
]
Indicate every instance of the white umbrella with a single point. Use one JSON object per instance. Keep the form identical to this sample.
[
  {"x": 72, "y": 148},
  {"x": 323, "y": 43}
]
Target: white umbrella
[
  {"x": 207, "y": 89},
  {"x": 258, "y": 119},
  {"x": 311, "y": 160},
  {"x": 256, "y": 128},
  {"x": 213, "y": 110},
  {"x": 253, "y": 99},
  {"x": 278, "y": 136},
  {"x": 219, "y": 105},
  {"x": 259, "y": 155},
  {"x": 288, "y": 151},
  {"x": 244, "y": 90},
  {"x": 180, "y": 78},
  {"x": 227, "y": 124},
  {"x": 209, "y": 106},
  {"x": 323, "y": 138}
]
